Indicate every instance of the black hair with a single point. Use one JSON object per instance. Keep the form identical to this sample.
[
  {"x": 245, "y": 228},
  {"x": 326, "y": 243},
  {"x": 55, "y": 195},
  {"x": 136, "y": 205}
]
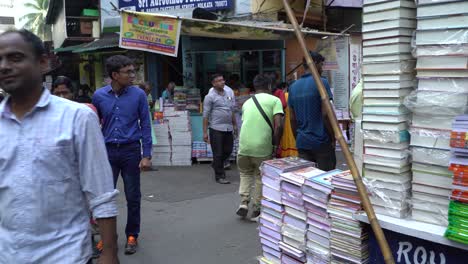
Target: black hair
[
  {"x": 216, "y": 75},
  {"x": 62, "y": 80},
  {"x": 262, "y": 82},
  {"x": 117, "y": 62},
  {"x": 33, "y": 40},
  {"x": 316, "y": 57}
]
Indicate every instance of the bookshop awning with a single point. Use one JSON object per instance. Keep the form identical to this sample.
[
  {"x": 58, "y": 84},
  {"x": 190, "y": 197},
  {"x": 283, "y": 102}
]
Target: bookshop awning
[
  {"x": 243, "y": 30},
  {"x": 105, "y": 42},
  {"x": 253, "y": 30}
]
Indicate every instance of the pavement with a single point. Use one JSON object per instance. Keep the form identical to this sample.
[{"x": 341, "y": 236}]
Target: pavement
[{"x": 187, "y": 218}]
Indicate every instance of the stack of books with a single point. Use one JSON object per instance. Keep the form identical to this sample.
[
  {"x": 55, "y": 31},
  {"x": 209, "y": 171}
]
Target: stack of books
[
  {"x": 349, "y": 238},
  {"x": 162, "y": 151},
  {"x": 442, "y": 64},
  {"x": 193, "y": 100},
  {"x": 276, "y": 239},
  {"x": 388, "y": 73},
  {"x": 316, "y": 193},
  {"x": 180, "y": 98},
  {"x": 295, "y": 221},
  {"x": 458, "y": 210}
]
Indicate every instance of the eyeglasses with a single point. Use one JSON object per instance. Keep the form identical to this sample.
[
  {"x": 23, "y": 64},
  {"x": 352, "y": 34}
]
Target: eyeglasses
[{"x": 129, "y": 72}]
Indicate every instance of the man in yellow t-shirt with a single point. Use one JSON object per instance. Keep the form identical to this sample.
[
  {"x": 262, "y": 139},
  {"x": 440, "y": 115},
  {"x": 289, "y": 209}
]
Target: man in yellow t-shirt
[{"x": 259, "y": 137}]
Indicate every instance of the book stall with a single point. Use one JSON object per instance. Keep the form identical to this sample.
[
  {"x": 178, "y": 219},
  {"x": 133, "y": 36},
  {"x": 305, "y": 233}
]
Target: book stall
[
  {"x": 307, "y": 215},
  {"x": 415, "y": 98}
]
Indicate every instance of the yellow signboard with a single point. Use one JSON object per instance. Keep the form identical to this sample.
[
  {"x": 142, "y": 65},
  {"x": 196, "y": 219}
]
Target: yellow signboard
[{"x": 150, "y": 32}]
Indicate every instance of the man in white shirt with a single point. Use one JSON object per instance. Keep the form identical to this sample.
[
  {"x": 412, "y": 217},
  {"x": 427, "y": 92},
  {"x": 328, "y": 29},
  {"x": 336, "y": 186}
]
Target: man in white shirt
[
  {"x": 220, "y": 122},
  {"x": 53, "y": 166}
]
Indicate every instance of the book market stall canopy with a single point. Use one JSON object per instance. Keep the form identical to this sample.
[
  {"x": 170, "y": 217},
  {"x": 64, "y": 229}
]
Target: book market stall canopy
[{"x": 252, "y": 30}]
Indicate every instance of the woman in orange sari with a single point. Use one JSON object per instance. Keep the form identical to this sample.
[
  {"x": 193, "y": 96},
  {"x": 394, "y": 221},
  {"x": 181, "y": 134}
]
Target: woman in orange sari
[{"x": 288, "y": 142}]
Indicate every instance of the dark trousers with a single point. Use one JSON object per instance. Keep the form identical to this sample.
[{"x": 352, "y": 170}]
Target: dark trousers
[
  {"x": 222, "y": 144},
  {"x": 125, "y": 160},
  {"x": 325, "y": 157}
]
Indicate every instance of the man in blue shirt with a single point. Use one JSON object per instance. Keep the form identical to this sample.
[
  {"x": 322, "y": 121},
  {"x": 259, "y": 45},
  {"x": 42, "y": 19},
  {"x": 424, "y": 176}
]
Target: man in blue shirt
[
  {"x": 124, "y": 112},
  {"x": 314, "y": 136}
]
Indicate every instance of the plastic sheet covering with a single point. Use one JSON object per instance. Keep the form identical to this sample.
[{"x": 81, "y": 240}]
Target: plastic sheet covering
[
  {"x": 440, "y": 50},
  {"x": 437, "y": 103},
  {"x": 295, "y": 234},
  {"x": 440, "y": 157},
  {"x": 386, "y": 136},
  {"x": 432, "y": 121},
  {"x": 450, "y": 85},
  {"x": 429, "y": 212},
  {"x": 317, "y": 254},
  {"x": 389, "y": 67},
  {"x": 430, "y": 138},
  {"x": 442, "y": 37}
]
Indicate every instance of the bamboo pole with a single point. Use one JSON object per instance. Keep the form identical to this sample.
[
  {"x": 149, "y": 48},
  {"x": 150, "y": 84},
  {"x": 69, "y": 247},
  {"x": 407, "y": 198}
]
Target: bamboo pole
[{"x": 380, "y": 236}]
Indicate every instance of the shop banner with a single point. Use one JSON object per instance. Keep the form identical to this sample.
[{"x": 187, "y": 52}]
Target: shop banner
[
  {"x": 411, "y": 250},
  {"x": 150, "y": 32},
  {"x": 153, "y": 6}
]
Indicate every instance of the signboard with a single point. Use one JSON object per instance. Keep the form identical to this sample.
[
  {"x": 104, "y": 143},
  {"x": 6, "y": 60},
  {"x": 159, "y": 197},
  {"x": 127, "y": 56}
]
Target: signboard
[
  {"x": 340, "y": 77},
  {"x": 355, "y": 57},
  {"x": 412, "y": 250},
  {"x": 154, "y": 6},
  {"x": 149, "y": 32}
]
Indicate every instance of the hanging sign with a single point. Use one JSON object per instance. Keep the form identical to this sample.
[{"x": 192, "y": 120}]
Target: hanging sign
[
  {"x": 153, "y": 6},
  {"x": 150, "y": 32}
]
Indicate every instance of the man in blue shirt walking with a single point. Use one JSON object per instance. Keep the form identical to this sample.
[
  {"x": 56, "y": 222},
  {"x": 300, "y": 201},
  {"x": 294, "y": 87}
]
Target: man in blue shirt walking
[
  {"x": 124, "y": 112},
  {"x": 315, "y": 140}
]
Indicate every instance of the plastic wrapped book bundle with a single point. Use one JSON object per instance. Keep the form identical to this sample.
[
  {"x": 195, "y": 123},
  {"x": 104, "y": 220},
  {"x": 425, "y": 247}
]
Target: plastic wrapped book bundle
[
  {"x": 383, "y": 136},
  {"x": 437, "y": 103},
  {"x": 431, "y": 138}
]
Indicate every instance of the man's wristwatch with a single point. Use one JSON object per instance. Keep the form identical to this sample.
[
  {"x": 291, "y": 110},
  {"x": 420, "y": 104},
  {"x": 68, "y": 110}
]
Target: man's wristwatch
[{"x": 148, "y": 157}]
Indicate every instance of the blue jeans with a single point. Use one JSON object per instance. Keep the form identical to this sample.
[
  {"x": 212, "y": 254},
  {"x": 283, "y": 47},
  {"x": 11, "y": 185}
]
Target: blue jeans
[{"x": 125, "y": 160}]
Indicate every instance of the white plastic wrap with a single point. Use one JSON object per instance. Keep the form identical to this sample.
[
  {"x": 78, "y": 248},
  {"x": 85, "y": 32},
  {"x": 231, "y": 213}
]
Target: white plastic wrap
[
  {"x": 450, "y": 85},
  {"x": 430, "y": 138},
  {"x": 297, "y": 235},
  {"x": 439, "y": 157},
  {"x": 429, "y": 212},
  {"x": 386, "y": 136},
  {"x": 437, "y": 103},
  {"x": 440, "y": 50},
  {"x": 389, "y": 67},
  {"x": 442, "y": 37}
]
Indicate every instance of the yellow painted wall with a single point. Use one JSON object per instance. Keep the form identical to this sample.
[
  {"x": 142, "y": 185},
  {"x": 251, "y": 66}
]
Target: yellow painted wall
[{"x": 270, "y": 8}]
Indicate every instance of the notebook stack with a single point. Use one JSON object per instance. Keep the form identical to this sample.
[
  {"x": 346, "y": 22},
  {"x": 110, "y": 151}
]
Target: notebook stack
[
  {"x": 276, "y": 246},
  {"x": 349, "y": 239},
  {"x": 442, "y": 64},
  {"x": 388, "y": 73},
  {"x": 458, "y": 210},
  {"x": 316, "y": 192}
]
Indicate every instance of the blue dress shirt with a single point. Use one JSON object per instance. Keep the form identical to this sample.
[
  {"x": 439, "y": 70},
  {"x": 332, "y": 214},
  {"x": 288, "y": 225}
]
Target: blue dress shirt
[{"x": 125, "y": 117}]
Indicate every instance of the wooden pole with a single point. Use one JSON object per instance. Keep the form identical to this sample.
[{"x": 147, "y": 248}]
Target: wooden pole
[{"x": 380, "y": 236}]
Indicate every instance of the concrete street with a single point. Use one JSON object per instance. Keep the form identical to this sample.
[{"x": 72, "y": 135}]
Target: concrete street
[{"x": 187, "y": 218}]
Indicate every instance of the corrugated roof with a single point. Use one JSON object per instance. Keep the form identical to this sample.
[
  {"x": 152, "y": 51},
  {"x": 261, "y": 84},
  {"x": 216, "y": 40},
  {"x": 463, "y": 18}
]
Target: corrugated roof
[
  {"x": 69, "y": 48},
  {"x": 105, "y": 42}
]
